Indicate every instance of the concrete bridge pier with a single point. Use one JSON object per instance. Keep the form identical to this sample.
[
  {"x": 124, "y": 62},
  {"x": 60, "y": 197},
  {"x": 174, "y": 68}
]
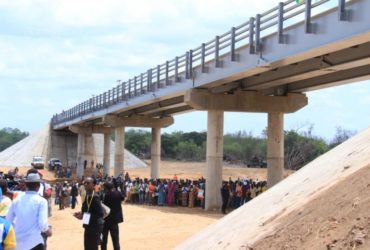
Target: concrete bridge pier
[
  {"x": 275, "y": 148},
  {"x": 85, "y": 146},
  {"x": 242, "y": 101},
  {"x": 138, "y": 121},
  {"x": 106, "y": 154},
  {"x": 215, "y": 149},
  {"x": 155, "y": 152},
  {"x": 119, "y": 150},
  {"x": 80, "y": 154}
]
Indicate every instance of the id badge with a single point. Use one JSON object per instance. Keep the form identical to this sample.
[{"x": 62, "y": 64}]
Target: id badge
[{"x": 86, "y": 218}]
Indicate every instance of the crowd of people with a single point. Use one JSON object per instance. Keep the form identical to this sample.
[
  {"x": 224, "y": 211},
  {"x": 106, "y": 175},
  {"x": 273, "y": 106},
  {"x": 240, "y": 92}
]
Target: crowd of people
[
  {"x": 164, "y": 192},
  {"x": 97, "y": 195},
  {"x": 189, "y": 193},
  {"x": 24, "y": 199}
]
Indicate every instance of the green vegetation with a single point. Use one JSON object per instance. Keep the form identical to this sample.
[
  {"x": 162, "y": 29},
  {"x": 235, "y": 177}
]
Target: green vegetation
[
  {"x": 241, "y": 147},
  {"x": 10, "y": 136},
  {"x": 301, "y": 147}
]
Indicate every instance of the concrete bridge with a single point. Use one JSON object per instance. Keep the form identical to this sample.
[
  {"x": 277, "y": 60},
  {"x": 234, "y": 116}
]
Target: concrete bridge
[{"x": 264, "y": 65}]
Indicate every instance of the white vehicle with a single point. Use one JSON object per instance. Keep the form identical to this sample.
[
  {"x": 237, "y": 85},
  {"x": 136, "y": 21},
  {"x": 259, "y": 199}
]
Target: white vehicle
[{"x": 38, "y": 162}]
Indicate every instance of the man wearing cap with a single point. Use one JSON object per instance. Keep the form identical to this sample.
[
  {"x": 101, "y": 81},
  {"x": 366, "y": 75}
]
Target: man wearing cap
[{"x": 29, "y": 216}]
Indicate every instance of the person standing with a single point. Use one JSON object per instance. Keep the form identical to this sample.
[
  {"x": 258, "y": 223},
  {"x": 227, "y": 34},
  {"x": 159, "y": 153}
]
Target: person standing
[
  {"x": 225, "y": 194},
  {"x": 74, "y": 194},
  {"x": 91, "y": 215},
  {"x": 113, "y": 200},
  {"x": 33, "y": 209}
]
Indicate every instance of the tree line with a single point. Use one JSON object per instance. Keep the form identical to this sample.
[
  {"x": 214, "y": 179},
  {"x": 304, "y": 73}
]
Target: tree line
[
  {"x": 300, "y": 147},
  {"x": 10, "y": 136}
]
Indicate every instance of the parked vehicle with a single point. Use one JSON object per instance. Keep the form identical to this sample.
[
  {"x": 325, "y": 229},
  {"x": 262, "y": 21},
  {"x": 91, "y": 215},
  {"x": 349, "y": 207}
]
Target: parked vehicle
[
  {"x": 54, "y": 163},
  {"x": 38, "y": 162},
  {"x": 257, "y": 162}
]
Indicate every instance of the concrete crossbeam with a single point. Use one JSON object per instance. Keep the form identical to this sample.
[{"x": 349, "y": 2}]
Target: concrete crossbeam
[
  {"x": 245, "y": 101},
  {"x": 89, "y": 130},
  {"x": 138, "y": 121}
]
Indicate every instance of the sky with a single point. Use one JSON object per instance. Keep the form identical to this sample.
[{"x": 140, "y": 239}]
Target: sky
[{"x": 56, "y": 54}]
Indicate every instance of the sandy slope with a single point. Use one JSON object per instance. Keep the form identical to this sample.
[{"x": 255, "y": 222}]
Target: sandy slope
[
  {"x": 260, "y": 216},
  {"x": 338, "y": 218},
  {"x": 36, "y": 144}
]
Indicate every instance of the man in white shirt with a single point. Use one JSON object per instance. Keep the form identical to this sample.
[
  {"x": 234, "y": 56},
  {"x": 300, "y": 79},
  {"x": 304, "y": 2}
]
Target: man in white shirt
[{"x": 29, "y": 216}]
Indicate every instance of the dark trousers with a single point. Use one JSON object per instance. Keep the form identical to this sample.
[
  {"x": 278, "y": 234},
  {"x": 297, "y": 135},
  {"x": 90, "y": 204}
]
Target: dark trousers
[
  {"x": 92, "y": 238},
  {"x": 114, "y": 233},
  {"x": 38, "y": 247},
  {"x": 224, "y": 204},
  {"x": 73, "y": 203}
]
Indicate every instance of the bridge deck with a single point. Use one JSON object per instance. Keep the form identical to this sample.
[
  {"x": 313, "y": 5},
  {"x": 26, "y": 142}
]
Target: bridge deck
[{"x": 313, "y": 52}]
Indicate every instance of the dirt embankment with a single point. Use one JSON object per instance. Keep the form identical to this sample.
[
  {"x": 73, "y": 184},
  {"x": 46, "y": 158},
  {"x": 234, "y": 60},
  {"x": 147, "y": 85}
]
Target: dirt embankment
[{"x": 337, "y": 219}]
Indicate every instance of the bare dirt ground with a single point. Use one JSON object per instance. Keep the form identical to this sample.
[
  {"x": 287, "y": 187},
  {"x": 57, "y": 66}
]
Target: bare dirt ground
[
  {"x": 337, "y": 219},
  {"x": 146, "y": 227}
]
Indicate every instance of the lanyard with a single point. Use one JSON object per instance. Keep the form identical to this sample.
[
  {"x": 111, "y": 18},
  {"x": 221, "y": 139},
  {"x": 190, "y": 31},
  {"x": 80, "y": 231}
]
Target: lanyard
[{"x": 89, "y": 203}]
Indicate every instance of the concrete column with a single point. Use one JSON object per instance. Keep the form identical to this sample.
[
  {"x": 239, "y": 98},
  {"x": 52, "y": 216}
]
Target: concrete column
[
  {"x": 80, "y": 155},
  {"x": 119, "y": 150},
  {"x": 106, "y": 156},
  {"x": 275, "y": 148},
  {"x": 215, "y": 148},
  {"x": 155, "y": 152}
]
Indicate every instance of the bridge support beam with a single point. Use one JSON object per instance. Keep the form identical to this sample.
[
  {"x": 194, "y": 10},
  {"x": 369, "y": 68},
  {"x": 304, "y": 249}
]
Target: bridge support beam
[
  {"x": 106, "y": 155},
  {"x": 215, "y": 142},
  {"x": 119, "y": 150},
  {"x": 155, "y": 152},
  {"x": 85, "y": 147},
  {"x": 242, "y": 101},
  {"x": 138, "y": 121},
  {"x": 245, "y": 101},
  {"x": 275, "y": 148},
  {"x": 143, "y": 121}
]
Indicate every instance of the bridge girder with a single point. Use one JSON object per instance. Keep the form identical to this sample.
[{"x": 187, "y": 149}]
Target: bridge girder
[{"x": 245, "y": 101}]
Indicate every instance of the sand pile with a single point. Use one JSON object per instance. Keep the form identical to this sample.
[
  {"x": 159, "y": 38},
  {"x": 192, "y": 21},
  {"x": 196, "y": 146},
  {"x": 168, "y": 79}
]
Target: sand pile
[
  {"x": 38, "y": 144},
  {"x": 262, "y": 218}
]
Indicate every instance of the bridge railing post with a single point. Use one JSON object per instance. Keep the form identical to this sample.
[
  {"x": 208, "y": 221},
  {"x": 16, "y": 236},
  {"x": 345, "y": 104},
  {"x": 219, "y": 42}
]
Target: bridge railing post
[
  {"x": 124, "y": 97},
  {"x": 258, "y": 33},
  {"x": 177, "y": 79},
  {"x": 129, "y": 88},
  {"x": 232, "y": 45},
  {"x": 109, "y": 97},
  {"x": 187, "y": 74},
  {"x": 343, "y": 14},
  {"x": 218, "y": 63},
  {"x": 281, "y": 36},
  {"x": 141, "y": 84},
  {"x": 307, "y": 23},
  {"x": 167, "y": 80},
  {"x": 203, "y": 58},
  {"x": 135, "y": 86},
  {"x": 157, "y": 85},
  {"x": 149, "y": 79},
  {"x": 251, "y": 36}
]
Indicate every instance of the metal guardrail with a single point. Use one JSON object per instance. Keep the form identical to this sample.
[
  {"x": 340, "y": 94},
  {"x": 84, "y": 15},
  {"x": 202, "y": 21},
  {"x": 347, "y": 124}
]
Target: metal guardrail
[{"x": 248, "y": 33}]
